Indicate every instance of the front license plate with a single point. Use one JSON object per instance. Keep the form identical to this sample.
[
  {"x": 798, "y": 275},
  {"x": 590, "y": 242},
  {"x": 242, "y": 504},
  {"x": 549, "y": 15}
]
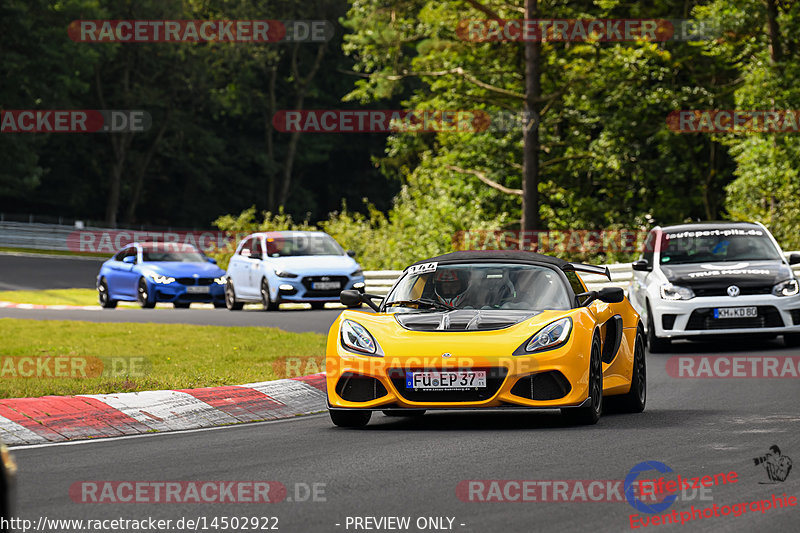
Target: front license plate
[
  {"x": 325, "y": 285},
  {"x": 736, "y": 312},
  {"x": 446, "y": 380},
  {"x": 196, "y": 289}
]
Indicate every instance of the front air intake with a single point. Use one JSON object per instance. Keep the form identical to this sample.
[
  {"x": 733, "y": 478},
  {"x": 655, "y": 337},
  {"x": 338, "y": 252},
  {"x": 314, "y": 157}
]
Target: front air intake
[
  {"x": 543, "y": 386},
  {"x": 358, "y": 388}
]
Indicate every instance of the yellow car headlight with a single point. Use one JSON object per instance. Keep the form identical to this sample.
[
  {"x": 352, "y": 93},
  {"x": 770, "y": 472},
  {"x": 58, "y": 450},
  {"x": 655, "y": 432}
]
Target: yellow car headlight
[
  {"x": 551, "y": 336},
  {"x": 355, "y": 337}
]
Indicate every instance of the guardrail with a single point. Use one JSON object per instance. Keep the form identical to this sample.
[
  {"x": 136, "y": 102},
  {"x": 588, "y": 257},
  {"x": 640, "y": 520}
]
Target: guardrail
[
  {"x": 380, "y": 281},
  {"x": 34, "y": 236},
  {"x": 55, "y": 237}
]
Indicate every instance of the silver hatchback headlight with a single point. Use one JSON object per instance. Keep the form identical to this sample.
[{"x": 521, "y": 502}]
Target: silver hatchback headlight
[{"x": 790, "y": 287}]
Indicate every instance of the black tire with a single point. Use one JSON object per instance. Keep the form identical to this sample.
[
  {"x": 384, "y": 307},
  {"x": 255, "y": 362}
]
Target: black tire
[
  {"x": 230, "y": 298},
  {"x": 350, "y": 418},
  {"x": 590, "y": 414},
  {"x": 219, "y": 305},
  {"x": 317, "y": 305},
  {"x": 102, "y": 296},
  {"x": 266, "y": 300},
  {"x": 143, "y": 296},
  {"x": 404, "y": 412},
  {"x": 634, "y": 401},
  {"x": 181, "y": 305},
  {"x": 791, "y": 340},
  {"x": 655, "y": 344}
]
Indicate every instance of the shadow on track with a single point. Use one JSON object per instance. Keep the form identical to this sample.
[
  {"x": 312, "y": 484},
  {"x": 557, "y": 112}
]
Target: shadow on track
[
  {"x": 525, "y": 421},
  {"x": 728, "y": 344}
]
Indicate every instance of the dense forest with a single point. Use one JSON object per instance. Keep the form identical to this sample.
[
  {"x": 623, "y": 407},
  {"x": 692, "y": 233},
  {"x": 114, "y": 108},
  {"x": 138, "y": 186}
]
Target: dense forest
[{"x": 599, "y": 154}]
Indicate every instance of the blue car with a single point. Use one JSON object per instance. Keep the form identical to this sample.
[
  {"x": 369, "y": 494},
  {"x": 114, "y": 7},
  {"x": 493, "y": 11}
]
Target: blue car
[
  {"x": 290, "y": 266},
  {"x": 160, "y": 272}
]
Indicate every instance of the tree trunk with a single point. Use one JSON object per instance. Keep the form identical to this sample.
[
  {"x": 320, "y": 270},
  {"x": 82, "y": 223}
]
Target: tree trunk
[
  {"x": 530, "y": 136},
  {"x": 112, "y": 200},
  {"x": 291, "y": 151},
  {"x": 773, "y": 32},
  {"x": 120, "y": 143},
  {"x": 269, "y": 145},
  {"x": 141, "y": 171},
  {"x": 301, "y": 86}
]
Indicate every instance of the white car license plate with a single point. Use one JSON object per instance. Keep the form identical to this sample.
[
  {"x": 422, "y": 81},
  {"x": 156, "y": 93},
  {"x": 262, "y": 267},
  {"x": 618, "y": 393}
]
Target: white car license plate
[
  {"x": 197, "y": 289},
  {"x": 736, "y": 312},
  {"x": 446, "y": 380},
  {"x": 325, "y": 285}
]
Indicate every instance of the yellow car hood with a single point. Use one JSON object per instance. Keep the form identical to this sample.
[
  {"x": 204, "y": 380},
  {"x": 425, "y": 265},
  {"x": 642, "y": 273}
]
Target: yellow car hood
[{"x": 395, "y": 340}]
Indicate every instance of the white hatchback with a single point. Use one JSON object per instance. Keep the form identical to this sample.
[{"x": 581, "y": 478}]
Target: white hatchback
[
  {"x": 290, "y": 266},
  {"x": 717, "y": 278}
]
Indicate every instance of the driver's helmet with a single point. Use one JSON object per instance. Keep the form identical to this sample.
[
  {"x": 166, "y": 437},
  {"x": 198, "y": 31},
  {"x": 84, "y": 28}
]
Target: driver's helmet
[{"x": 450, "y": 286}]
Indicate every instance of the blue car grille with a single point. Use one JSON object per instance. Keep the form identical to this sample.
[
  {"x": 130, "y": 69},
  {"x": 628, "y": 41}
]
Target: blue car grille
[{"x": 195, "y": 281}]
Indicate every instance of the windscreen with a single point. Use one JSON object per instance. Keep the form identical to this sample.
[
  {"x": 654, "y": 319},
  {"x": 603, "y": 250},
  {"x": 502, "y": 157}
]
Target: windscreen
[
  {"x": 172, "y": 253},
  {"x": 481, "y": 286},
  {"x": 712, "y": 246},
  {"x": 302, "y": 244}
]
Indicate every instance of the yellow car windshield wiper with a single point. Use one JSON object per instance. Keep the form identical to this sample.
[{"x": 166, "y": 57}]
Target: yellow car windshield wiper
[{"x": 423, "y": 301}]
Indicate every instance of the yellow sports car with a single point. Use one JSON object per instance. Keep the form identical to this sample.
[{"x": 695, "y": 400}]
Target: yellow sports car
[{"x": 486, "y": 330}]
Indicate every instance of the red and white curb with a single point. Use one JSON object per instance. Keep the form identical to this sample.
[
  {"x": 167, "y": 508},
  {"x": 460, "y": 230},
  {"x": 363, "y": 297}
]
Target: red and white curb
[{"x": 87, "y": 416}]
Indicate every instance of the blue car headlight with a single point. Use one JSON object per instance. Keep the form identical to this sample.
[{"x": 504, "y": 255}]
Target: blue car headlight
[
  {"x": 284, "y": 274},
  {"x": 355, "y": 337},
  {"x": 220, "y": 280},
  {"x": 357, "y": 273},
  {"x": 158, "y": 278}
]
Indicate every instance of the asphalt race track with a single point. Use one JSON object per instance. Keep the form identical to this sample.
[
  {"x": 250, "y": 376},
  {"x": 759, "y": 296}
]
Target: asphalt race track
[
  {"x": 398, "y": 467},
  {"x": 31, "y": 272},
  {"x": 412, "y": 467}
]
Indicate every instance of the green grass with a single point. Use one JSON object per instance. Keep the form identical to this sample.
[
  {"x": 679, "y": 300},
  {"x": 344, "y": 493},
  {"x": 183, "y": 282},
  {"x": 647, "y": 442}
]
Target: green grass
[
  {"x": 177, "y": 356},
  {"x": 52, "y": 252},
  {"x": 52, "y": 297}
]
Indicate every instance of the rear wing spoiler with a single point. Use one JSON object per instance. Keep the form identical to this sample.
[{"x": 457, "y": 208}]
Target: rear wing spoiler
[{"x": 588, "y": 269}]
